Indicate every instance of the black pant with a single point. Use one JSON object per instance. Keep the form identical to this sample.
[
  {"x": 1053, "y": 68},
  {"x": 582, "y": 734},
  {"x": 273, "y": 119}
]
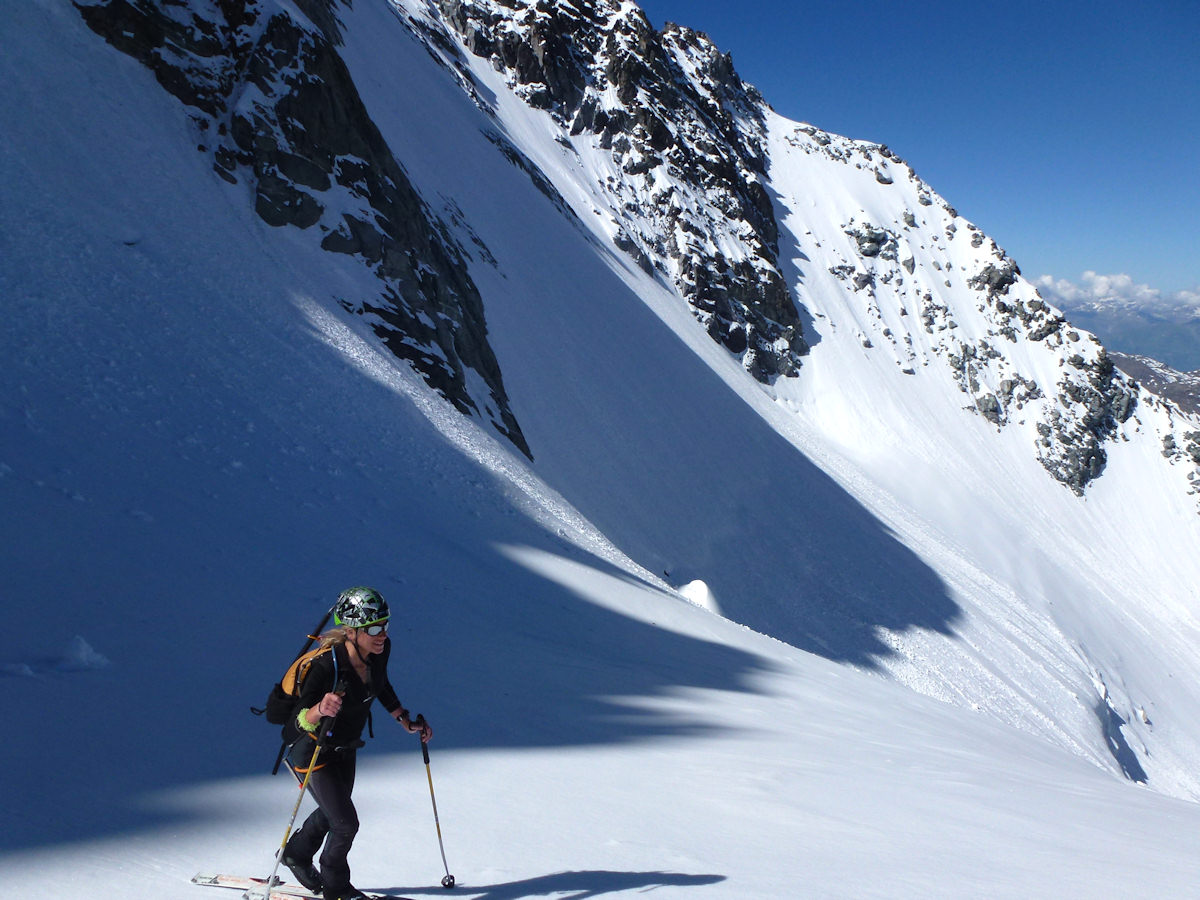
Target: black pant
[{"x": 334, "y": 822}]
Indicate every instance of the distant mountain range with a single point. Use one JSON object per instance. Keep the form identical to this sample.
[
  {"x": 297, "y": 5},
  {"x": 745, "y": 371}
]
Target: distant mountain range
[
  {"x": 1133, "y": 319},
  {"x": 1182, "y": 388}
]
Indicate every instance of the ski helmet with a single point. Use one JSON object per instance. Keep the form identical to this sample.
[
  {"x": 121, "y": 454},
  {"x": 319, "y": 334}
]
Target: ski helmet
[{"x": 359, "y": 606}]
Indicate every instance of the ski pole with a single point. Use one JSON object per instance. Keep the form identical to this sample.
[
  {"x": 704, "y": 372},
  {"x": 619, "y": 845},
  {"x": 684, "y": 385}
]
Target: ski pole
[
  {"x": 448, "y": 881},
  {"x": 325, "y": 729}
]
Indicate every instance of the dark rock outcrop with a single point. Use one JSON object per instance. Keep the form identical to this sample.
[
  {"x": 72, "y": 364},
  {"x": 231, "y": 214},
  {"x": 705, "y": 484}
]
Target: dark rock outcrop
[
  {"x": 1072, "y": 444},
  {"x": 276, "y": 107},
  {"x": 666, "y": 104}
]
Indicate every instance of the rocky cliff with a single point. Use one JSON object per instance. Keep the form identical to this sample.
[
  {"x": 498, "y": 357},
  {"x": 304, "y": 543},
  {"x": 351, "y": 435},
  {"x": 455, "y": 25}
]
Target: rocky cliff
[
  {"x": 275, "y": 107},
  {"x": 685, "y": 138},
  {"x": 684, "y": 169},
  {"x": 923, "y": 284},
  {"x": 691, "y": 198}
]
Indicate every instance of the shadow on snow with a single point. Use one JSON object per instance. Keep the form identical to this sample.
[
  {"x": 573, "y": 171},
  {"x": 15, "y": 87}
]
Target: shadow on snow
[{"x": 578, "y": 885}]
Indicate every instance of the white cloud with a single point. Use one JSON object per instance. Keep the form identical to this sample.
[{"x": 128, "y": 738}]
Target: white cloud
[{"x": 1116, "y": 292}]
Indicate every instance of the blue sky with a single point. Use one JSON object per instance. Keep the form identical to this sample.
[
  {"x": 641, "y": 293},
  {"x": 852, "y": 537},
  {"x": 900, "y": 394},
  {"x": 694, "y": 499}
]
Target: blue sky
[{"x": 1068, "y": 131}]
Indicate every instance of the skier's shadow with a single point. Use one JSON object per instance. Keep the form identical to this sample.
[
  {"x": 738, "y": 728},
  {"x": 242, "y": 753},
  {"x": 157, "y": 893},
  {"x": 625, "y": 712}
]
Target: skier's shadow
[{"x": 579, "y": 885}]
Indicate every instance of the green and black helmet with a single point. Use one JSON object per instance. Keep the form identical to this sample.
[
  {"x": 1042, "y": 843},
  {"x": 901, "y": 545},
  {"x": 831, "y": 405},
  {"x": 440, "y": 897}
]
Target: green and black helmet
[{"x": 360, "y": 606}]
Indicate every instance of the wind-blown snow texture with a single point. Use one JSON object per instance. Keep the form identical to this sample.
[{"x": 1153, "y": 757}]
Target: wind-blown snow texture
[{"x": 894, "y": 594}]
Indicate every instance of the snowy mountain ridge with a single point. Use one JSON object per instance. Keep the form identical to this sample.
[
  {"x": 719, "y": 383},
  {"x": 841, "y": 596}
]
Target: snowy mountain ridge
[
  {"x": 688, "y": 142},
  {"x": 1070, "y": 445},
  {"x": 670, "y": 145},
  {"x": 687, "y": 613},
  {"x": 673, "y": 152}
]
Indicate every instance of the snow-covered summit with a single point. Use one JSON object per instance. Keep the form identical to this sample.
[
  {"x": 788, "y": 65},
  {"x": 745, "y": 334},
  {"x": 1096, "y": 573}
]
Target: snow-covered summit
[
  {"x": 656, "y": 136},
  {"x": 673, "y": 153}
]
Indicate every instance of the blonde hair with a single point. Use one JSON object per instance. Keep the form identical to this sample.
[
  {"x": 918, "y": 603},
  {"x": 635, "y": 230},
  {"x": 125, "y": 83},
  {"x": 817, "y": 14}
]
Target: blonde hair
[{"x": 334, "y": 636}]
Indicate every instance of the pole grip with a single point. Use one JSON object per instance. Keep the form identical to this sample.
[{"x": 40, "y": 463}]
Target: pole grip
[
  {"x": 424, "y": 746},
  {"x": 325, "y": 726}
]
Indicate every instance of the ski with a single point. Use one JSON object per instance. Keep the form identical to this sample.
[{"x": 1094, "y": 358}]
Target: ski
[
  {"x": 249, "y": 882},
  {"x": 279, "y": 891}
]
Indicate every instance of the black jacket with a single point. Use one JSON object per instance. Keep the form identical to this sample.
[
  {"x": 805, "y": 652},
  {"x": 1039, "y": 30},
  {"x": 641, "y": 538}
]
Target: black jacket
[{"x": 334, "y": 670}]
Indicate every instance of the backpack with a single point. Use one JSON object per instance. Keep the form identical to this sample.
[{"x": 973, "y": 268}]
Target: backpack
[
  {"x": 285, "y": 696},
  {"x": 281, "y": 702}
]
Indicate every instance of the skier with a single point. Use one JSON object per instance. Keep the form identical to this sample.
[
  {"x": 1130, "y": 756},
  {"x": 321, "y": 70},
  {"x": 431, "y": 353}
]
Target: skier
[{"x": 340, "y": 686}]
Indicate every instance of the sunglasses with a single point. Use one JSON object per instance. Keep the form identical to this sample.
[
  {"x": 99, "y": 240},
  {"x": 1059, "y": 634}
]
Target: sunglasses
[{"x": 376, "y": 628}]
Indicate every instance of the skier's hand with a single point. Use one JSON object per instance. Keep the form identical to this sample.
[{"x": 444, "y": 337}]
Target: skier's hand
[
  {"x": 418, "y": 726},
  {"x": 423, "y": 728},
  {"x": 329, "y": 705}
]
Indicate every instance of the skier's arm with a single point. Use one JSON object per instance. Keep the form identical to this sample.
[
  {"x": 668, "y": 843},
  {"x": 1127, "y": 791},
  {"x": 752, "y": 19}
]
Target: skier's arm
[
  {"x": 401, "y": 715},
  {"x": 387, "y": 697},
  {"x": 384, "y": 690}
]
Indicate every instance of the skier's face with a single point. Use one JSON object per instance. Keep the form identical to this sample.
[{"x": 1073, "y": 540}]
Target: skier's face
[{"x": 368, "y": 643}]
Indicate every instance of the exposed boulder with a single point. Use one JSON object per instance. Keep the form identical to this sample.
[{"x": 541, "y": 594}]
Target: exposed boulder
[
  {"x": 874, "y": 241},
  {"x": 996, "y": 279},
  {"x": 1096, "y": 399}
]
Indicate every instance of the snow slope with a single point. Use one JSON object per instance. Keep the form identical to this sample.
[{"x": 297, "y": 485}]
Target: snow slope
[
  {"x": 918, "y": 522},
  {"x": 199, "y": 448}
]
